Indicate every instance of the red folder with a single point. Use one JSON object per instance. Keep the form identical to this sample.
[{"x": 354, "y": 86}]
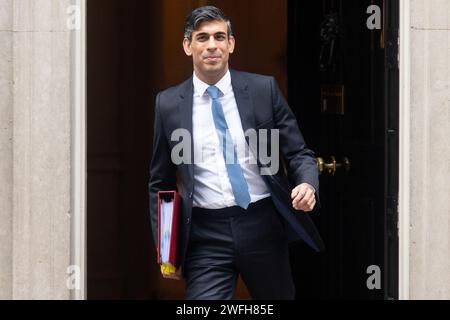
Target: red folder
[{"x": 175, "y": 206}]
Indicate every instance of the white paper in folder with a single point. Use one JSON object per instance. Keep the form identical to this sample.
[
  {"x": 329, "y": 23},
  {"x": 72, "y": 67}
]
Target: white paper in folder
[{"x": 166, "y": 229}]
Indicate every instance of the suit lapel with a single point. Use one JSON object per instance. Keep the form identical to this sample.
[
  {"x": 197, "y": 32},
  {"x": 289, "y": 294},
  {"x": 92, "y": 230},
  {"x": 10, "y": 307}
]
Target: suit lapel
[
  {"x": 185, "y": 114},
  {"x": 243, "y": 100}
]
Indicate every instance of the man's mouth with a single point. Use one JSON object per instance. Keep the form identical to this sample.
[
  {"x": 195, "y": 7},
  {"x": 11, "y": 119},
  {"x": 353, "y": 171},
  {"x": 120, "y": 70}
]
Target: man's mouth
[{"x": 212, "y": 58}]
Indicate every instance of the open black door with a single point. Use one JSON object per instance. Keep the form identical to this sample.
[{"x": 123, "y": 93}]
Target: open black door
[{"x": 343, "y": 87}]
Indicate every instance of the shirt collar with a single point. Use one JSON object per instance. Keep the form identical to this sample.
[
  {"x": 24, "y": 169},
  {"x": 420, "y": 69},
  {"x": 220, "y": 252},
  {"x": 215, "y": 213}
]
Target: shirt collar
[{"x": 223, "y": 84}]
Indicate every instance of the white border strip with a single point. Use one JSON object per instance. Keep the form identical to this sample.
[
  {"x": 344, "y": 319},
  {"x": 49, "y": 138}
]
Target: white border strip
[
  {"x": 78, "y": 154},
  {"x": 404, "y": 152}
]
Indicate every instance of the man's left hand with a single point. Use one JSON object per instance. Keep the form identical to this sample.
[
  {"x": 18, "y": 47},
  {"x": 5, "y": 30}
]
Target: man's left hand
[{"x": 303, "y": 197}]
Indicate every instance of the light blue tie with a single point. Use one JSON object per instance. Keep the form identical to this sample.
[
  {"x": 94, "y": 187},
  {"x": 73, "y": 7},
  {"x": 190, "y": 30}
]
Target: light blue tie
[{"x": 235, "y": 174}]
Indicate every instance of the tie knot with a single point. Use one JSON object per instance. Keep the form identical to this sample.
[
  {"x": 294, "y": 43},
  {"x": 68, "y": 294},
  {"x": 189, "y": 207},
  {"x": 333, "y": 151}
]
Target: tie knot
[{"x": 213, "y": 92}]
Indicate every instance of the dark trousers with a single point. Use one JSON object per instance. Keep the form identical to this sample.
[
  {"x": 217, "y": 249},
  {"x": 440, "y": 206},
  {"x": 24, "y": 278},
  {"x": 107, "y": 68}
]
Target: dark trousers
[{"x": 231, "y": 241}]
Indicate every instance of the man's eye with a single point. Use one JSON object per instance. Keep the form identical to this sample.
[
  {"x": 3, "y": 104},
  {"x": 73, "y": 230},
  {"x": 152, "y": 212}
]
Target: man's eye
[
  {"x": 220, "y": 37},
  {"x": 202, "y": 38}
]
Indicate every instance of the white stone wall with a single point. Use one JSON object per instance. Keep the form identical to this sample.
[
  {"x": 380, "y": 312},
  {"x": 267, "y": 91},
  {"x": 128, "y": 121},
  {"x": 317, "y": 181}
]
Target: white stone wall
[
  {"x": 35, "y": 89},
  {"x": 430, "y": 150},
  {"x": 6, "y": 156}
]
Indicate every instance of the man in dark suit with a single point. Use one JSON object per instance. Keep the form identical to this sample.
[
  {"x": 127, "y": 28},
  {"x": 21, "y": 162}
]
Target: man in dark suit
[{"x": 238, "y": 216}]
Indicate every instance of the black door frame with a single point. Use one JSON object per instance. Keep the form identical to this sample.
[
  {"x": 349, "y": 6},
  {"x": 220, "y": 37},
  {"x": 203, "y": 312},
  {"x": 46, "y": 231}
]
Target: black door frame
[{"x": 391, "y": 103}]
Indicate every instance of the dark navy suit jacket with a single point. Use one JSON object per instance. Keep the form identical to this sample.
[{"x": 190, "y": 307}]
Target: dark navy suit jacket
[{"x": 261, "y": 105}]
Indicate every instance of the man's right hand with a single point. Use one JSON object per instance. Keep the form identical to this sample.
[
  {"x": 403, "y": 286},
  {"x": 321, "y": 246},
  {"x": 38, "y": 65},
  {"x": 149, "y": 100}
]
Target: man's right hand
[{"x": 174, "y": 276}]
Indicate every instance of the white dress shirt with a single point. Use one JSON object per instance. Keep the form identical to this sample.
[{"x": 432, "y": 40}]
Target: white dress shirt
[{"x": 212, "y": 187}]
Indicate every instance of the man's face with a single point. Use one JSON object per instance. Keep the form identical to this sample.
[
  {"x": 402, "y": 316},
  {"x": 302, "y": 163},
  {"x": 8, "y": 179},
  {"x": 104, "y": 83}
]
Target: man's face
[{"x": 210, "y": 48}]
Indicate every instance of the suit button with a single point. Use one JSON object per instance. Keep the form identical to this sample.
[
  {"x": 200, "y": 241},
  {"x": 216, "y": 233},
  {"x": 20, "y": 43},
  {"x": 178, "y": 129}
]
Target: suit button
[
  {"x": 188, "y": 220},
  {"x": 190, "y": 195}
]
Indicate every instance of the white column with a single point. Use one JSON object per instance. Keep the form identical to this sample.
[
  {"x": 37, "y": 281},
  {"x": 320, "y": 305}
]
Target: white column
[
  {"x": 41, "y": 149},
  {"x": 429, "y": 170},
  {"x": 78, "y": 153},
  {"x": 6, "y": 162}
]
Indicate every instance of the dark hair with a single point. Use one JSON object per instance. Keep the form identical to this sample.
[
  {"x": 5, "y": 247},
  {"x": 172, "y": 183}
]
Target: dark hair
[{"x": 206, "y": 13}]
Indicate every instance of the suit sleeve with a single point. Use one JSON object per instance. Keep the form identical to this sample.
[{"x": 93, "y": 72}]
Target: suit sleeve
[
  {"x": 162, "y": 169},
  {"x": 300, "y": 161}
]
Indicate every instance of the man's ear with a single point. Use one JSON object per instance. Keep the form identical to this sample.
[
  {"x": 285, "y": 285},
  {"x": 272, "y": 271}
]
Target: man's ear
[
  {"x": 187, "y": 47},
  {"x": 232, "y": 43}
]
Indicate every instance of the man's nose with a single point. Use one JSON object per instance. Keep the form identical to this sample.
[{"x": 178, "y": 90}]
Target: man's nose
[{"x": 212, "y": 43}]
